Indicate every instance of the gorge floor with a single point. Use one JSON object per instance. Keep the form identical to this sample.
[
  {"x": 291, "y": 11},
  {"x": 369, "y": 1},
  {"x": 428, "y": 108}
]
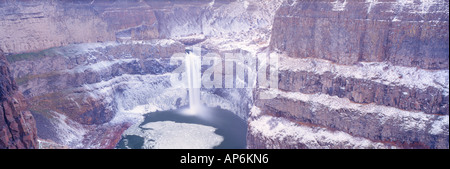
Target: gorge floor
[{"x": 210, "y": 128}]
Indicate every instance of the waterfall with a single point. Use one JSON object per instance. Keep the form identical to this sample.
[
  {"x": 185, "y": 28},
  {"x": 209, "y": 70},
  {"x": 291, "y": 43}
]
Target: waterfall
[{"x": 193, "y": 70}]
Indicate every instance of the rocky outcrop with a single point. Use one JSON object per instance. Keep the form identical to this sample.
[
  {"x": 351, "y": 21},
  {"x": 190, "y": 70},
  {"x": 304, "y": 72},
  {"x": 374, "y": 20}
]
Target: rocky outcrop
[
  {"x": 406, "y": 33},
  {"x": 30, "y": 26},
  {"x": 356, "y": 74},
  {"x": 17, "y": 125}
]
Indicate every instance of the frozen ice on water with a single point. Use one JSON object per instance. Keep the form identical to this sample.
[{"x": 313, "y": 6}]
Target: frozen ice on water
[{"x": 173, "y": 135}]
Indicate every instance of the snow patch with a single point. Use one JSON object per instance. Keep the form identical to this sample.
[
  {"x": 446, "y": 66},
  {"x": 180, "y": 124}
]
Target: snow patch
[
  {"x": 246, "y": 4},
  {"x": 255, "y": 111},
  {"x": 421, "y": 6},
  {"x": 440, "y": 126},
  {"x": 69, "y": 132},
  {"x": 396, "y": 19},
  {"x": 338, "y": 5}
]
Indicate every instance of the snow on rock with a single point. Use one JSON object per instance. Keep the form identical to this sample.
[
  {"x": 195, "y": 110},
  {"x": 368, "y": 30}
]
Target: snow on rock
[
  {"x": 421, "y": 6},
  {"x": 372, "y": 3},
  {"x": 102, "y": 65},
  {"x": 338, "y": 5},
  {"x": 407, "y": 120},
  {"x": 312, "y": 137},
  {"x": 69, "y": 132},
  {"x": 228, "y": 103},
  {"x": 154, "y": 42},
  {"x": 141, "y": 94},
  {"x": 441, "y": 125},
  {"x": 255, "y": 111},
  {"x": 135, "y": 95},
  {"x": 241, "y": 25},
  {"x": 74, "y": 50},
  {"x": 132, "y": 96},
  {"x": 83, "y": 48},
  {"x": 380, "y": 72}
]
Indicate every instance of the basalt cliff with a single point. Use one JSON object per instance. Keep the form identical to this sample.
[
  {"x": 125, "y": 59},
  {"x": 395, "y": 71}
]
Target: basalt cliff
[
  {"x": 357, "y": 74},
  {"x": 351, "y": 74}
]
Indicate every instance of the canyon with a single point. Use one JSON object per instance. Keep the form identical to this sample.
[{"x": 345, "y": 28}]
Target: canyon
[{"x": 351, "y": 74}]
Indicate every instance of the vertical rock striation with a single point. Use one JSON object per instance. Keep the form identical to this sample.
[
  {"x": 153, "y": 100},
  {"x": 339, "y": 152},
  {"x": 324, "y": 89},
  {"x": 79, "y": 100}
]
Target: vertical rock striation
[
  {"x": 406, "y": 33},
  {"x": 17, "y": 125}
]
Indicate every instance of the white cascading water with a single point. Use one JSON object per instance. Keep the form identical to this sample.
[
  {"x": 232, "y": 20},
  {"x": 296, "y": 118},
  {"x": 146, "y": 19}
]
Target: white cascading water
[{"x": 193, "y": 70}]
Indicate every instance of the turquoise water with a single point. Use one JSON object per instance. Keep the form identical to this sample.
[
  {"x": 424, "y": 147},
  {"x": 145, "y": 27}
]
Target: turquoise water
[{"x": 232, "y": 128}]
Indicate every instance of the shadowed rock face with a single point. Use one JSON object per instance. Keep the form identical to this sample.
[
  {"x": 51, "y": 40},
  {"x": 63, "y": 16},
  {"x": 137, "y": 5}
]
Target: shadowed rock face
[{"x": 17, "y": 125}]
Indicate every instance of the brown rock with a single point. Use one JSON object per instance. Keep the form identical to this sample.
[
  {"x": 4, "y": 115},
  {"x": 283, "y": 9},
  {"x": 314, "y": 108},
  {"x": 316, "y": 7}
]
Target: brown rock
[{"x": 17, "y": 125}]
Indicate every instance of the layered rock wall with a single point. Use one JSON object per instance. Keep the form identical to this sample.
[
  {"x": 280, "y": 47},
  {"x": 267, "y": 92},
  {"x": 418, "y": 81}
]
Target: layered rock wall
[
  {"x": 38, "y": 25},
  {"x": 77, "y": 90},
  {"x": 356, "y": 74},
  {"x": 62, "y": 86},
  {"x": 406, "y": 33}
]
